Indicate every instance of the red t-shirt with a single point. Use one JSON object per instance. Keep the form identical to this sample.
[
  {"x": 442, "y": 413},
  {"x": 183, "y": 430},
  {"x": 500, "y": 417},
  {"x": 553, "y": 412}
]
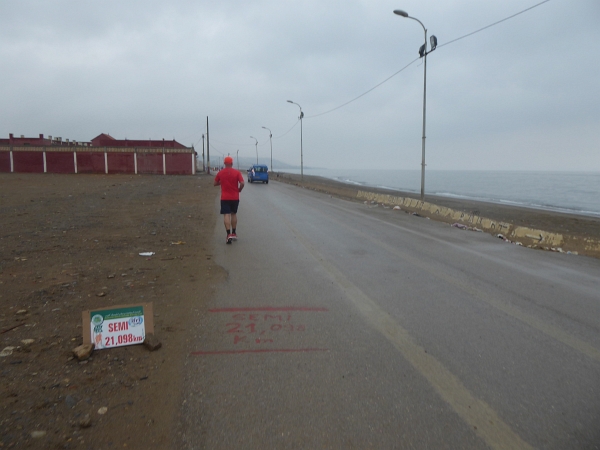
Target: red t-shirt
[{"x": 229, "y": 179}]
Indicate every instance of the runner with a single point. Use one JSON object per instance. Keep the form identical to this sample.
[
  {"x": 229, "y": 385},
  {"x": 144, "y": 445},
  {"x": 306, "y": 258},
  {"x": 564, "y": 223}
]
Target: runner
[{"x": 232, "y": 183}]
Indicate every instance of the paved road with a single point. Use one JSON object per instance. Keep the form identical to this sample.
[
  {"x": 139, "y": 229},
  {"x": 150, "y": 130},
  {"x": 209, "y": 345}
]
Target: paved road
[{"x": 347, "y": 326}]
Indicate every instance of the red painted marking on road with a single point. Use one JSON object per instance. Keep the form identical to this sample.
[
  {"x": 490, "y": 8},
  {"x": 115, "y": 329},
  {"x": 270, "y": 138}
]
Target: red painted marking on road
[
  {"x": 261, "y": 350},
  {"x": 269, "y": 308}
]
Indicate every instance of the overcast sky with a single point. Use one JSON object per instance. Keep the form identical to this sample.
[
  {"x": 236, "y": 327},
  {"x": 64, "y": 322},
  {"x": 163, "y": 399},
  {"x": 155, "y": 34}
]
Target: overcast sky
[{"x": 522, "y": 95}]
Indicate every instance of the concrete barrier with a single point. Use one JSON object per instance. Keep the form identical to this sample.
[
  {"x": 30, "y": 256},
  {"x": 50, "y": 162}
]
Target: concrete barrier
[{"x": 523, "y": 235}]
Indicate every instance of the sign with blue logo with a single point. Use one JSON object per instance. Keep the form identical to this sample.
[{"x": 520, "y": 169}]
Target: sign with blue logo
[{"x": 117, "y": 326}]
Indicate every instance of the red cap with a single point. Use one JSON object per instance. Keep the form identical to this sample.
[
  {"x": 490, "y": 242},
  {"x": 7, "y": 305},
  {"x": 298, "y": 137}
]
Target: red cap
[{"x": 228, "y": 160}]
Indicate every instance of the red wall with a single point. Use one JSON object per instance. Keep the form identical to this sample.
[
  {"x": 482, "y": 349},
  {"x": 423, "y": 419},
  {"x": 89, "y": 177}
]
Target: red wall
[
  {"x": 178, "y": 163},
  {"x": 150, "y": 163},
  {"x": 28, "y": 162},
  {"x": 90, "y": 162},
  {"x": 121, "y": 163},
  {"x": 60, "y": 162},
  {"x": 94, "y": 162},
  {"x": 5, "y": 162}
]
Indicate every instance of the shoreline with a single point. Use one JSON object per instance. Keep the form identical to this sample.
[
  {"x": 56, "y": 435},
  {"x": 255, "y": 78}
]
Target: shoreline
[
  {"x": 466, "y": 199},
  {"x": 457, "y": 197},
  {"x": 498, "y": 187},
  {"x": 559, "y": 231}
]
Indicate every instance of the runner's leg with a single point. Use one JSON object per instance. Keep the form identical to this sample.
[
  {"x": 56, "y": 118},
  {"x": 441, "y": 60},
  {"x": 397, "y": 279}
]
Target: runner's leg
[{"x": 233, "y": 225}]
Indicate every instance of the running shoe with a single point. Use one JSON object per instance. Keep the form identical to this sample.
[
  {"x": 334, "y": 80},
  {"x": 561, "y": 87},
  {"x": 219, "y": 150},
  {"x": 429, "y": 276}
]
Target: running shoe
[
  {"x": 229, "y": 239},
  {"x": 233, "y": 236}
]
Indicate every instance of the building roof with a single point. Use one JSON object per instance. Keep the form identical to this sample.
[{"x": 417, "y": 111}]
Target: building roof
[
  {"x": 102, "y": 140},
  {"x": 103, "y": 136},
  {"x": 106, "y": 140}
]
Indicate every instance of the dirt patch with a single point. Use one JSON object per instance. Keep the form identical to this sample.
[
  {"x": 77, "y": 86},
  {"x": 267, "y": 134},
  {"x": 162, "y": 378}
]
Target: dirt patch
[
  {"x": 70, "y": 243},
  {"x": 581, "y": 233}
]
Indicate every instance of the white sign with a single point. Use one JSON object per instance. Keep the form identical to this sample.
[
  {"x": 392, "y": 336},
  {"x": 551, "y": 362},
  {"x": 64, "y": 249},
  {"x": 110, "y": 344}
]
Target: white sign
[{"x": 117, "y": 327}]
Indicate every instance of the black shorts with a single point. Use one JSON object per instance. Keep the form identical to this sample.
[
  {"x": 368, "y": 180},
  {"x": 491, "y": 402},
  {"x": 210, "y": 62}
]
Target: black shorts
[{"x": 229, "y": 206}]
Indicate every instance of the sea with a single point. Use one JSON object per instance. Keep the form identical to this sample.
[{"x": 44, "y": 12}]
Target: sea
[{"x": 566, "y": 192}]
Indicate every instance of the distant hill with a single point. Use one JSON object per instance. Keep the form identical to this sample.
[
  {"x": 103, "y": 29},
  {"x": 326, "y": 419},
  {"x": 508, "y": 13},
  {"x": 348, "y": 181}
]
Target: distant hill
[{"x": 246, "y": 162}]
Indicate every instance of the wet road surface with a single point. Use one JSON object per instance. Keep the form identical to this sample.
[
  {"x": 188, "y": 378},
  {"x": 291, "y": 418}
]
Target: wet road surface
[{"x": 343, "y": 325}]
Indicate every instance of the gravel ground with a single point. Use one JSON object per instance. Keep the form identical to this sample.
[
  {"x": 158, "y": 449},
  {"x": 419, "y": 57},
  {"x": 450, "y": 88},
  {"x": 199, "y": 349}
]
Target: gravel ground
[{"x": 70, "y": 243}]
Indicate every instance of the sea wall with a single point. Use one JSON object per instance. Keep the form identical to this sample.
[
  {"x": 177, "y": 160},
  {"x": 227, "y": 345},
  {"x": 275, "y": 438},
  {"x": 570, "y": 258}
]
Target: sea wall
[
  {"x": 530, "y": 237},
  {"x": 507, "y": 230}
]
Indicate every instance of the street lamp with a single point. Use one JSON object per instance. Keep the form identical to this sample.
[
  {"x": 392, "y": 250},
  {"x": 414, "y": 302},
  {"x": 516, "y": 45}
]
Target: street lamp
[
  {"x": 301, "y": 157},
  {"x": 271, "y": 141},
  {"x": 237, "y": 158},
  {"x": 256, "y": 145},
  {"x": 423, "y": 54}
]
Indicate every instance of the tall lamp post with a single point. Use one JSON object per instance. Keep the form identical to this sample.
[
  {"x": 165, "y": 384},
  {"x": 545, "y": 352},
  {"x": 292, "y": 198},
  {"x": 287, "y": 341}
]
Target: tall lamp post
[
  {"x": 271, "y": 141},
  {"x": 423, "y": 54},
  {"x": 255, "y": 145},
  {"x": 237, "y": 158},
  {"x": 301, "y": 157}
]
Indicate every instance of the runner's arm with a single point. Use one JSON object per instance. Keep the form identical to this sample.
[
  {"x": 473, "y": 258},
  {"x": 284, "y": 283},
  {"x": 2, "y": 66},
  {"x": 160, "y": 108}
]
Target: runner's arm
[{"x": 240, "y": 182}]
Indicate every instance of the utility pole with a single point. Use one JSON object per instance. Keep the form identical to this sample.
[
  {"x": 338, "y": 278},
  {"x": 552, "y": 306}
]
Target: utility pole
[
  {"x": 301, "y": 157},
  {"x": 271, "y": 141},
  {"x": 207, "y": 148}
]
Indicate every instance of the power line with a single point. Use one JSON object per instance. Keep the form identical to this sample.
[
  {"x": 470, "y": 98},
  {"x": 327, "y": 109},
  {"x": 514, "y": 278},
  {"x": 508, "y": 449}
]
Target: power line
[
  {"x": 365, "y": 93},
  {"x": 412, "y": 62},
  {"x": 495, "y": 23},
  {"x": 293, "y": 126}
]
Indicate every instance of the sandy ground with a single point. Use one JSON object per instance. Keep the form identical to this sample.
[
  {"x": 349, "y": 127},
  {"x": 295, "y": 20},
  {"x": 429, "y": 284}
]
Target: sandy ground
[{"x": 69, "y": 243}]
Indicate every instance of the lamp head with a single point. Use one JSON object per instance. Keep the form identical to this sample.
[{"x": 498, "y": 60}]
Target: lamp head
[
  {"x": 401, "y": 13},
  {"x": 433, "y": 41},
  {"x": 289, "y": 101}
]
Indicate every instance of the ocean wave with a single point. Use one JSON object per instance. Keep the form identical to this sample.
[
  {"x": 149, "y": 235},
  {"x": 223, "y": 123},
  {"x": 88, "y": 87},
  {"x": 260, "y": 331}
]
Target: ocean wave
[
  {"x": 522, "y": 204},
  {"x": 395, "y": 189},
  {"x": 349, "y": 181}
]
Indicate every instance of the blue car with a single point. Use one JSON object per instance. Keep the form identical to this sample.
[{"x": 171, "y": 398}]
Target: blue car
[{"x": 258, "y": 172}]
